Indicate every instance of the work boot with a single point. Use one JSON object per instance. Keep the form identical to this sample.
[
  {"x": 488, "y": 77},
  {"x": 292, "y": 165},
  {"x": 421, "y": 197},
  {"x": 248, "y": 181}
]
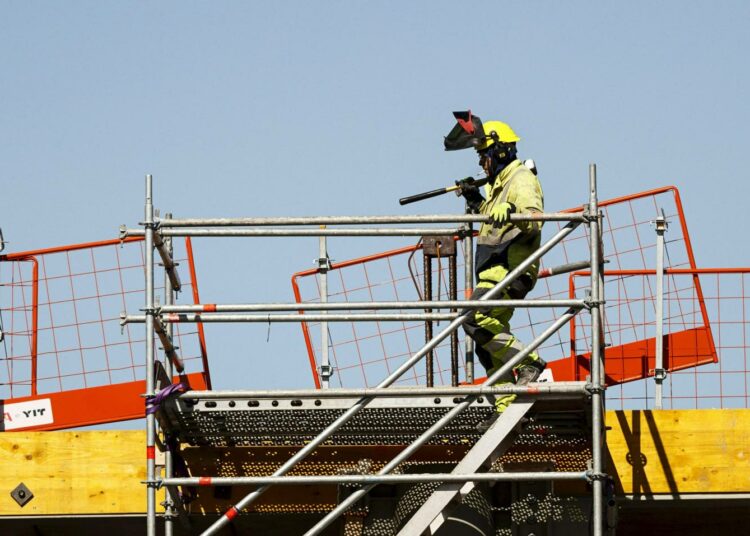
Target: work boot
[
  {"x": 530, "y": 372},
  {"x": 486, "y": 424},
  {"x": 501, "y": 404}
]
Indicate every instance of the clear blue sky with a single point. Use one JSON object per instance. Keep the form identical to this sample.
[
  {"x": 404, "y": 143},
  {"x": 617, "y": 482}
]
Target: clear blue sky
[{"x": 287, "y": 108}]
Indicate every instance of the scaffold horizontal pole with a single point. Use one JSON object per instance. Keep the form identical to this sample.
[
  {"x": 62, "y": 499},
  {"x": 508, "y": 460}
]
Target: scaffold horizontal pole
[
  {"x": 358, "y": 306},
  {"x": 541, "y": 389},
  {"x": 199, "y": 231},
  {"x": 364, "y": 220},
  {"x": 371, "y": 479},
  {"x": 205, "y": 318}
]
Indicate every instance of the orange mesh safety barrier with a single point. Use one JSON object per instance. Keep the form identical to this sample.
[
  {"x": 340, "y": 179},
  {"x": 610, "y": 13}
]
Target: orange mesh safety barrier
[
  {"x": 363, "y": 354},
  {"x": 722, "y": 350},
  {"x": 65, "y": 359}
]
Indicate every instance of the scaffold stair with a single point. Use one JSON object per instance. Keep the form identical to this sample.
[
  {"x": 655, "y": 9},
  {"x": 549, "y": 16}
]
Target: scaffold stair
[{"x": 491, "y": 445}]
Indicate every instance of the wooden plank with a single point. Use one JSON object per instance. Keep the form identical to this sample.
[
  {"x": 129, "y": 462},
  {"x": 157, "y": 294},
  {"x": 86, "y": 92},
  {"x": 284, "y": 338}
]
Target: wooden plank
[
  {"x": 96, "y": 472},
  {"x": 680, "y": 451}
]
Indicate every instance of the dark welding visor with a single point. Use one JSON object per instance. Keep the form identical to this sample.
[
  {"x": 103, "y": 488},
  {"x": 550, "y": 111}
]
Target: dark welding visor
[{"x": 467, "y": 134}]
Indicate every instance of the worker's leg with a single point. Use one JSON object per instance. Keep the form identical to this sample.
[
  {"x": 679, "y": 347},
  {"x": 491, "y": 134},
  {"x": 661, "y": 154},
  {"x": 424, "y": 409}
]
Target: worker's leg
[
  {"x": 496, "y": 345},
  {"x": 484, "y": 327}
]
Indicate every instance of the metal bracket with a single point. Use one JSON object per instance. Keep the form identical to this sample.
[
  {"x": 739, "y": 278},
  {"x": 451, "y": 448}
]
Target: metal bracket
[
  {"x": 591, "y": 388},
  {"x": 438, "y": 246},
  {"x": 155, "y": 225},
  {"x": 592, "y": 476},
  {"x": 169, "y": 507},
  {"x": 324, "y": 264},
  {"x": 660, "y": 223},
  {"x": 21, "y": 494},
  {"x": 660, "y": 374},
  {"x": 588, "y": 217},
  {"x": 325, "y": 371}
]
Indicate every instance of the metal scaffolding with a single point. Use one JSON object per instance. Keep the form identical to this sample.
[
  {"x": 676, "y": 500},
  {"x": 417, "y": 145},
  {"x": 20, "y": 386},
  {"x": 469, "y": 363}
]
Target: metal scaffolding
[{"x": 456, "y": 409}]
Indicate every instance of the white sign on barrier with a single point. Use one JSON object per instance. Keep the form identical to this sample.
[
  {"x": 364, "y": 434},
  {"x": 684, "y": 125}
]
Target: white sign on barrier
[{"x": 26, "y": 414}]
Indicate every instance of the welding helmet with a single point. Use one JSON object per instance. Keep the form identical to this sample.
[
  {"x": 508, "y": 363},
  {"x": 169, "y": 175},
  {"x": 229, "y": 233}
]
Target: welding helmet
[{"x": 469, "y": 132}]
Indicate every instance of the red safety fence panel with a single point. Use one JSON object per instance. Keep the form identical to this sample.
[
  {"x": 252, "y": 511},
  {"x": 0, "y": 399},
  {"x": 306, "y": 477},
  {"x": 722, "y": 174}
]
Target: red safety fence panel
[
  {"x": 66, "y": 361},
  {"x": 363, "y": 354},
  {"x": 630, "y": 324},
  {"x": 722, "y": 350}
]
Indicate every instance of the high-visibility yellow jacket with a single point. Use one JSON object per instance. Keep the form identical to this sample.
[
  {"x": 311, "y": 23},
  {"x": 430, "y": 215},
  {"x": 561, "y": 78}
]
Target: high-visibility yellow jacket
[{"x": 501, "y": 249}]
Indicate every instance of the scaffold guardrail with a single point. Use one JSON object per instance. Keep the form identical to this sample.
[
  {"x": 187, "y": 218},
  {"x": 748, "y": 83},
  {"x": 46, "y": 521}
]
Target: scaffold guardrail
[{"x": 590, "y": 216}]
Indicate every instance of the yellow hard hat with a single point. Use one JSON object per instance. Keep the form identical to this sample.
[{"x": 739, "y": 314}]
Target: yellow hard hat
[{"x": 497, "y": 131}]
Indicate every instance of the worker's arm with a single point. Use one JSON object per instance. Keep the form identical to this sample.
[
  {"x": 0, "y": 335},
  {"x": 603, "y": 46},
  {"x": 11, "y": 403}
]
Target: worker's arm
[{"x": 526, "y": 194}]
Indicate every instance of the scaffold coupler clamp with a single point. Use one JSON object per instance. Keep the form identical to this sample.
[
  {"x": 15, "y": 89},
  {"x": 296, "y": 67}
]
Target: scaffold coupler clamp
[
  {"x": 660, "y": 223},
  {"x": 589, "y": 217},
  {"x": 323, "y": 264},
  {"x": 465, "y": 230},
  {"x": 660, "y": 374},
  {"x": 325, "y": 372},
  {"x": 591, "y": 476},
  {"x": 156, "y": 484},
  {"x": 123, "y": 234},
  {"x": 589, "y": 302},
  {"x": 591, "y": 388},
  {"x": 169, "y": 507}
]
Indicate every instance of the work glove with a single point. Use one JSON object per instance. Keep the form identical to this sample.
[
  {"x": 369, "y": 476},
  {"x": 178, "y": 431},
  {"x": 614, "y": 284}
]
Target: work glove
[
  {"x": 500, "y": 213},
  {"x": 473, "y": 198}
]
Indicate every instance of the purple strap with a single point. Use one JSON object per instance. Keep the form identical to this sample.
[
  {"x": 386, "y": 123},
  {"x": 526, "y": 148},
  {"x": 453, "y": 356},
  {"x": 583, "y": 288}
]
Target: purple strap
[{"x": 154, "y": 401}]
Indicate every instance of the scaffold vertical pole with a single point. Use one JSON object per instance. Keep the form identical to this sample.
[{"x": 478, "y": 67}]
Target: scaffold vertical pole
[
  {"x": 148, "y": 223},
  {"x": 323, "y": 267},
  {"x": 453, "y": 291},
  {"x": 169, "y": 500},
  {"x": 596, "y": 355},
  {"x": 430, "y": 359},
  {"x": 468, "y": 289},
  {"x": 659, "y": 371}
]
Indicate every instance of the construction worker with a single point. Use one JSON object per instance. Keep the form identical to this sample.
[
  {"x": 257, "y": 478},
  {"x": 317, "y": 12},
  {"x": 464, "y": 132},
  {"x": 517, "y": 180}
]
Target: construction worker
[{"x": 501, "y": 245}]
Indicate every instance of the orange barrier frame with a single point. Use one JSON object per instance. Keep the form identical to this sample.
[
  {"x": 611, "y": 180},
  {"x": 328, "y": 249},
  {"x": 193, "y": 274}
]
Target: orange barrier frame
[
  {"x": 93, "y": 405},
  {"x": 335, "y": 266},
  {"x": 683, "y": 349}
]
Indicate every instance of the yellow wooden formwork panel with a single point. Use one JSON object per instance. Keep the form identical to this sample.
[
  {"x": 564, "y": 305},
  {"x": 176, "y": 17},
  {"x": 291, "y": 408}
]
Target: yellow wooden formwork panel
[
  {"x": 97, "y": 472},
  {"x": 680, "y": 451},
  {"x": 100, "y": 472}
]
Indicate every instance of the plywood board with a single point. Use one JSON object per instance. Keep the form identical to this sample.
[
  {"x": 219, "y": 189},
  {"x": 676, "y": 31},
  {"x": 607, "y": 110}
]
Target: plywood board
[
  {"x": 680, "y": 451},
  {"x": 97, "y": 472}
]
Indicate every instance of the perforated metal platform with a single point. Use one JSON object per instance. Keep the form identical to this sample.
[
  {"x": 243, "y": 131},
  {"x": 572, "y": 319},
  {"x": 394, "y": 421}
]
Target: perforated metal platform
[{"x": 385, "y": 421}]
